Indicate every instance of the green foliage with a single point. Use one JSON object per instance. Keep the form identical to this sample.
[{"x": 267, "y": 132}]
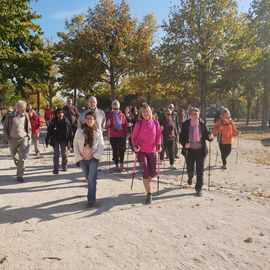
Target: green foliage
[
  {"x": 21, "y": 55},
  {"x": 104, "y": 48}
]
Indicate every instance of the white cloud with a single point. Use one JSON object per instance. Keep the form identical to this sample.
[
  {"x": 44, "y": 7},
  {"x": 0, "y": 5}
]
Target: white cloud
[{"x": 66, "y": 14}]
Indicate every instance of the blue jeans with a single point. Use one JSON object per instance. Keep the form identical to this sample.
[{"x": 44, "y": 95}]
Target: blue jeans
[{"x": 90, "y": 170}]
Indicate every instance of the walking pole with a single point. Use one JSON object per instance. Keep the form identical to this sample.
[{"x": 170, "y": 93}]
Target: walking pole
[
  {"x": 134, "y": 169},
  {"x": 158, "y": 174},
  {"x": 184, "y": 166},
  {"x": 238, "y": 139},
  {"x": 209, "y": 167},
  {"x": 127, "y": 142},
  {"x": 109, "y": 153},
  {"x": 43, "y": 144},
  {"x": 219, "y": 141}
]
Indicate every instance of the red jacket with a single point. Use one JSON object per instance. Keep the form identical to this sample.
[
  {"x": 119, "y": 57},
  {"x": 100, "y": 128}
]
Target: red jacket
[
  {"x": 111, "y": 126},
  {"x": 48, "y": 113},
  {"x": 36, "y": 124}
]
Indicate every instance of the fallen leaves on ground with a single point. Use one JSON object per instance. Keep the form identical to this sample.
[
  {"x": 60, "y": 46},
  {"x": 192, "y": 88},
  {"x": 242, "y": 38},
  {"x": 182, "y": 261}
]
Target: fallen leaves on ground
[
  {"x": 260, "y": 194},
  {"x": 248, "y": 240},
  {"x": 2, "y": 260}
]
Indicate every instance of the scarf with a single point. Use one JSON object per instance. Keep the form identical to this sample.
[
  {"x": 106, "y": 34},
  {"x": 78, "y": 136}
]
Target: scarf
[
  {"x": 195, "y": 136},
  {"x": 117, "y": 121}
]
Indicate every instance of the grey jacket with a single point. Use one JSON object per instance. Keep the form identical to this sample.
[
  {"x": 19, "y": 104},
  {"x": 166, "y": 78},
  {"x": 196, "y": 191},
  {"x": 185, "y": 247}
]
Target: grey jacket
[
  {"x": 100, "y": 118},
  {"x": 7, "y": 125}
]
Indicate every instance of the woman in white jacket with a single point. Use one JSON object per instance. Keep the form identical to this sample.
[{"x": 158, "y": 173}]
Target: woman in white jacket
[{"x": 88, "y": 148}]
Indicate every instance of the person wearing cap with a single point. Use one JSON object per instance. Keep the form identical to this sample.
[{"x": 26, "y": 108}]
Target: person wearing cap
[
  {"x": 36, "y": 124},
  {"x": 17, "y": 133},
  {"x": 116, "y": 126},
  {"x": 92, "y": 107},
  {"x": 58, "y": 136}
]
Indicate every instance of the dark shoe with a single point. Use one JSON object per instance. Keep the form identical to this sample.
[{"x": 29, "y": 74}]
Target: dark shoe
[
  {"x": 176, "y": 157},
  {"x": 189, "y": 181},
  {"x": 20, "y": 179},
  {"x": 64, "y": 169},
  {"x": 148, "y": 198},
  {"x": 55, "y": 172},
  {"x": 199, "y": 193},
  {"x": 95, "y": 205}
]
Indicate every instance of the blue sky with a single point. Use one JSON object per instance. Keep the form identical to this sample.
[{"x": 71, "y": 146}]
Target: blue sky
[{"x": 55, "y": 12}]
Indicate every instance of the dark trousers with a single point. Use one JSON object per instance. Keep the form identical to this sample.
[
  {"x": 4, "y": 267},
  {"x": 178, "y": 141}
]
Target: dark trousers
[
  {"x": 62, "y": 145},
  {"x": 225, "y": 150},
  {"x": 196, "y": 156},
  {"x": 118, "y": 148},
  {"x": 168, "y": 145}
]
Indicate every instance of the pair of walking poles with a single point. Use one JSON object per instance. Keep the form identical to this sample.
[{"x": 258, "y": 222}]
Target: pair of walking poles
[
  {"x": 134, "y": 171},
  {"x": 237, "y": 151}
]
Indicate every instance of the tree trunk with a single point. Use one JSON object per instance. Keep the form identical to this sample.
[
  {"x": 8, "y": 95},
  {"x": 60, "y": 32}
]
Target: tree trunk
[
  {"x": 233, "y": 109},
  {"x": 266, "y": 82},
  {"x": 248, "y": 111},
  {"x": 238, "y": 111},
  {"x": 257, "y": 109},
  {"x": 112, "y": 83},
  {"x": 75, "y": 97},
  {"x": 202, "y": 88},
  {"x": 38, "y": 100}
]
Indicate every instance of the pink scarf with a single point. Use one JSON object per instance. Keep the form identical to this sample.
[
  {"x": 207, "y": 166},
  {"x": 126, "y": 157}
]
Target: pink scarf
[{"x": 196, "y": 133}]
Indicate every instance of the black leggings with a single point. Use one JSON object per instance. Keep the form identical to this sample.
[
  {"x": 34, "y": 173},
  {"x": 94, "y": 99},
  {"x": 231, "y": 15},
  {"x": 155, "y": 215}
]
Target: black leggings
[
  {"x": 118, "y": 148},
  {"x": 170, "y": 146},
  {"x": 225, "y": 150}
]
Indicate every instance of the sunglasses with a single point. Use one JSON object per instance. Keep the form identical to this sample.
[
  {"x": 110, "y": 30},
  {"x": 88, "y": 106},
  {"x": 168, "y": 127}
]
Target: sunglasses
[{"x": 115, "y": 109}]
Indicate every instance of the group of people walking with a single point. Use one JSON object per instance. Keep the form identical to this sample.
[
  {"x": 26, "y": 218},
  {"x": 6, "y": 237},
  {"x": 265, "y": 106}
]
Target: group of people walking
[{"x": 150, "y": 136}]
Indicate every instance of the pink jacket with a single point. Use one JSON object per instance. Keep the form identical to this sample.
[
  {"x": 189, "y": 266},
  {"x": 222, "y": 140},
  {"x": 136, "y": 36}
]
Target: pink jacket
[
  {"x": 146, "y": 135},
  {"x": 112, "y": 131}
]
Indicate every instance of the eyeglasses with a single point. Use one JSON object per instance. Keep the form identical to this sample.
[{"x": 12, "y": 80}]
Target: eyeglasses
[{"x": 115, "y": 109}]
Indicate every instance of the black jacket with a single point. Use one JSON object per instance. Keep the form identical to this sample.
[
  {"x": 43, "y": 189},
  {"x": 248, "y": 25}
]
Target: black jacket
[
  {"x": 184, "y": 136},
  {"x": 58, "y": 130}
]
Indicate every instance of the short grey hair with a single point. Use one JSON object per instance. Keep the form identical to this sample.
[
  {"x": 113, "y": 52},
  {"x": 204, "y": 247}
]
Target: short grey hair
[
  {"x": 116, "y": 104},
  {"x": 21, "y": 103},
  {"x": 92, "y": 97}
]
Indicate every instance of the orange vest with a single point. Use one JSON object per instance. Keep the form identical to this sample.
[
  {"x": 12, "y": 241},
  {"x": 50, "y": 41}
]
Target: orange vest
[{"x": 225, "y": 129}]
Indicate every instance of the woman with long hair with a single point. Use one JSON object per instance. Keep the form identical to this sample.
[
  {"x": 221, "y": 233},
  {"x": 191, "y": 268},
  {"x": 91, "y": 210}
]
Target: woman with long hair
[
  {"x": 146, "y": 141},
  {"x": 225, "y": 130},
  {"x": 88, "y": 147}
]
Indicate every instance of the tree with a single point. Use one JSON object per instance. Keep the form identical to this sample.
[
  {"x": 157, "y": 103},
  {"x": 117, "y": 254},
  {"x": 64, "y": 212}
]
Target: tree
[
  {"x": 197, "y": 35},
  {"x": 261, "y": 21},
  {"x": 21, "y": 56},
  {"x": 110, "y": 46}
]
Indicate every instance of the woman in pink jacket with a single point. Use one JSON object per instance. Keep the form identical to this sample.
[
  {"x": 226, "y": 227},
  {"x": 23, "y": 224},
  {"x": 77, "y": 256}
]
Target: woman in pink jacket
[{"x": 146, "y": 140}]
